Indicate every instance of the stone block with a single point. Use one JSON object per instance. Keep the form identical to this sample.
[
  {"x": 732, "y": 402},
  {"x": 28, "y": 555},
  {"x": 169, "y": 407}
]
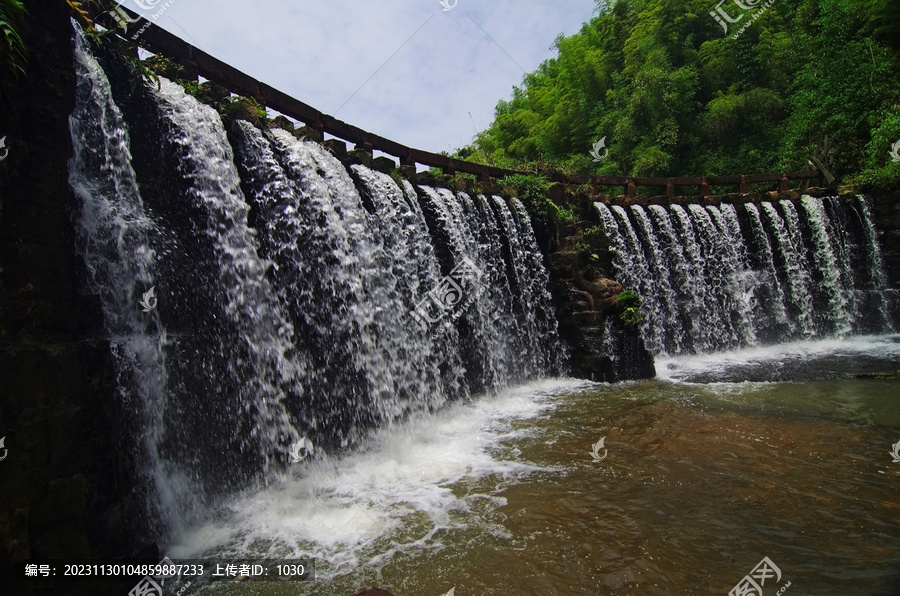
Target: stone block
[{"x": 384, "y": 164}]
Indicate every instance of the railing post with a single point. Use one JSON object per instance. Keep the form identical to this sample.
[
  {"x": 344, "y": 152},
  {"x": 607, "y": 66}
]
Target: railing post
[
  {"x": 670, "y": 188},
  {"x": 704, "y": 188},
  {"x": 785, "y": 183},
  {"x": 745, "y": 189},
  {"x": 629, "y": 189}
]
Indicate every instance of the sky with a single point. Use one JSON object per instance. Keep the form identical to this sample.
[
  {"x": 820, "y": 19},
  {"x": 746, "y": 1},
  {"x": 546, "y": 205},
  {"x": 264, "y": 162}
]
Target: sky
[{"x": 407, "y": 70}]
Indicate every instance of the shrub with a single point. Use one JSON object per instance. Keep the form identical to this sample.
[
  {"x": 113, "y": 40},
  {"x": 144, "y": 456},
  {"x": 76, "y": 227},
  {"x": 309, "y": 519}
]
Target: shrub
[{"x": 628, "y": 305}]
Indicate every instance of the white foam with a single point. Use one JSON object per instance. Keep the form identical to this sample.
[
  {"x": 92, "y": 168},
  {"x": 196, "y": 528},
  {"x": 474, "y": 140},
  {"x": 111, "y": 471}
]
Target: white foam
[
  {"x": 801, "y": 353},
  {"x": 401, "y": 489}
]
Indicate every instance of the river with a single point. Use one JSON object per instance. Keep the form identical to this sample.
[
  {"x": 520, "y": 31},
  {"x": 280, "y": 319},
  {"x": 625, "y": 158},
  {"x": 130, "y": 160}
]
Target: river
[{"x": 700, "y": 481}]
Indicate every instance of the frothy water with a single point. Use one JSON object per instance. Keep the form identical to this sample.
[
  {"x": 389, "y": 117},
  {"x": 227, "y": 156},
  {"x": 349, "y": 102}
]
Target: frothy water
[
  {"x": 405, "y": 489},
  {"x": 791, "y": 361}
]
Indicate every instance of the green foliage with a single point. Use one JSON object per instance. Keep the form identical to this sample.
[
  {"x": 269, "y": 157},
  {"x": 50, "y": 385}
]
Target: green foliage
[
  {"x": 244, "y": 108},
  {"x": 192, "y": 88},
  {"x": 628, "y": 299},
  {"x": 533, "y": 192},
  {"x": 628, "y": 305},
  {"x": 560, "y": 215},
  {"x": 13, "y": 53},
  {"x": 675, "y": 96}
]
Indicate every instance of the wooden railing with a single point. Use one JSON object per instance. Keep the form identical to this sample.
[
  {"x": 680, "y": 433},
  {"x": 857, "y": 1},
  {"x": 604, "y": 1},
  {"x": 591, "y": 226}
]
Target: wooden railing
[
  {"x": 197, "y": 62},
  {"x": 702, "y": 183}
]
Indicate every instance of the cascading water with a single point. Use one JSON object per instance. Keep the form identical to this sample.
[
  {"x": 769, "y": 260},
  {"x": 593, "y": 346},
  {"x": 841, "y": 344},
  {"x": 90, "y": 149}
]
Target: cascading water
[
  {"x": 833, "y": 279},
  {"x": 114, "y": 239},
  {"x": 741, "y": 276},
  {"x": 671, "y": 342},
  {"x": 287, "y": 286},
  {"x": 797, "y": 268},
  {"x": 770, "y": 286}
]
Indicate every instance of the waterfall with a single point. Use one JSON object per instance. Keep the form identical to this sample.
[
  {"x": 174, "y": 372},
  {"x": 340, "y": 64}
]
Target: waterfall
[
  {"x": 698, "y": 287},
  {"x": 741, "y": 280},
  {"x": 877, "y": 293},
  {"x": 715, "y": 278},
  {"x": 114, "y": 239},
  {"x": 720, "y": 272},
  {"x": 533, "y": 292},
  {"x": 830, "y": 276},
  {"x": 660, "y": 272},
  {"x": 290, "y": 292},
  {"x": 799, "y": 272},
  {"x": 793, "y": 265},
  {"x": 770, "y": 284},
  {"x": 634, "y": 271}
]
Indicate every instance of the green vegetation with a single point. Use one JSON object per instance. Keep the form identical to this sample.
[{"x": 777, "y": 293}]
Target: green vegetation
[
  {"x": 533, "y": 191},
  {"x": 13, "y": 53},
  {"x": 675, "y": 96},
  {"x": 628, "y": 305}
]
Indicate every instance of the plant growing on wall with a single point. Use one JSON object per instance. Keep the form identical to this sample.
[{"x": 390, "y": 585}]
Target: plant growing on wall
[
  {"x": 628, "y": 305},
  {"x": 13, "y": 53}
]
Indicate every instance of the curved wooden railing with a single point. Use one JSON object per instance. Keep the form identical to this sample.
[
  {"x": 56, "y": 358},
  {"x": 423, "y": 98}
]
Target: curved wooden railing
[
  {"x": 197, "y": 62},
  {"x": 702, "y": 183}
]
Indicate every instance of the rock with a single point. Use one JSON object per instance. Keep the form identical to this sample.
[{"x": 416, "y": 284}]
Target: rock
[
  {"x": 374, "y": 592},
  {"x": 282, "y": 122}
]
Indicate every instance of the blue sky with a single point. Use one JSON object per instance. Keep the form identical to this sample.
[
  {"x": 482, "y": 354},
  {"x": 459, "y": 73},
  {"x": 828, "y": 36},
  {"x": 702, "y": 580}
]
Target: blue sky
[{"x": 323, "y": 51}]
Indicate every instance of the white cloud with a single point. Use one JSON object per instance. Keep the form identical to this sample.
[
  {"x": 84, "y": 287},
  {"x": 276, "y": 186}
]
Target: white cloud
[{"x": 323, "y": 51}]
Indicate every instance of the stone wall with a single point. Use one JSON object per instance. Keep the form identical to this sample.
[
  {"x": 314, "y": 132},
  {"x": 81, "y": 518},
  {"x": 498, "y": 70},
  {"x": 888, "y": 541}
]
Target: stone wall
[
  {"x": 62, "y": 477},
  {"x": 601, "y": 348}
]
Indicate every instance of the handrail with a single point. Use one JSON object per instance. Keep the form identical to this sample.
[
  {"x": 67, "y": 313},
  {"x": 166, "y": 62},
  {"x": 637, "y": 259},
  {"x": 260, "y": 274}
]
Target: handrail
[
  {"x": 702, "y": 182},
  {"x": 158, "y": 40}
]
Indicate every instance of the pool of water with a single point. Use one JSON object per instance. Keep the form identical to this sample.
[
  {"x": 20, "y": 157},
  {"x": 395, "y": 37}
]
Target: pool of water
[{"x": 719, "y": 462}]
